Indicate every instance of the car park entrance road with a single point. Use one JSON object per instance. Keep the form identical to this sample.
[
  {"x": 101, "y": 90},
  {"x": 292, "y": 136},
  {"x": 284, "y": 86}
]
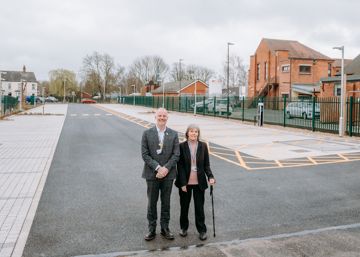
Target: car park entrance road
[{"x": 94, "y": 200}]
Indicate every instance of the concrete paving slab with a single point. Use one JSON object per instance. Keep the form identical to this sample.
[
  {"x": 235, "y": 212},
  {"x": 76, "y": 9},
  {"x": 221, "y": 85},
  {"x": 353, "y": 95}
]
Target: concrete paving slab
[{"x": 27, "y": 145}]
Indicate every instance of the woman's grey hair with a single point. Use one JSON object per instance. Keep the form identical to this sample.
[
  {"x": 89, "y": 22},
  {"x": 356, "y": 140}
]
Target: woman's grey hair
[{"x": 192, "y": 126}]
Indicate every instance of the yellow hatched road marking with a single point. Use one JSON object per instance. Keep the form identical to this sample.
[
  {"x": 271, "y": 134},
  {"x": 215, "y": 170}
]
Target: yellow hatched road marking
[
  {"x": 229, "y": 154},
  {"x": 241, "y": 160},
  {"x": 279, "y": 163},
  {"x": 227, "y": 160},
  {"x": 312, "y": 160},
  {"x": 344, "y": 157},
  {"x": 306, "y": 161}
]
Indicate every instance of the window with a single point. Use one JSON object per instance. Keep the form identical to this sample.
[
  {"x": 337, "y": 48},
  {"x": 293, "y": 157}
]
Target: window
[
  {"x": 9, "y": 86},
  {"x": 33, "y": 86},
  {"x": 305, "y": 69},
  {"x": 258, "y": 71},
  {"x": 266, "y": 71},
  {"x": 329, "y": 70},
  {"x": 285, "y": 68},
  {"x": 337, "y": 89}
]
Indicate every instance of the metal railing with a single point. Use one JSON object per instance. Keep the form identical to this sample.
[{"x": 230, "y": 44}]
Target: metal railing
[
  {"x": 8, "y": 105},
  {"x": 316, "y": 114}
]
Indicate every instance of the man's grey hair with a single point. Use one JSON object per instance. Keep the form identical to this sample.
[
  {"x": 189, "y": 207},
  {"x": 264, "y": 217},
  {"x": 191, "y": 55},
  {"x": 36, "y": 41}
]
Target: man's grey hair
[
  {"x": 192, "y": 126},
  {"x": 160, "y": 110}
]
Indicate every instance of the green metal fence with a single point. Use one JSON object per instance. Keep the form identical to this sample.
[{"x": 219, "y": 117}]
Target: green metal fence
[
  {"x": 8, "y": 105},
  {"x": 316, "y": 114}
]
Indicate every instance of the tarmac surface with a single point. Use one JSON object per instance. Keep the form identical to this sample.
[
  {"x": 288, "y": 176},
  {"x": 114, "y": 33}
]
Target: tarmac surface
[{"x": 28, "y": 143}]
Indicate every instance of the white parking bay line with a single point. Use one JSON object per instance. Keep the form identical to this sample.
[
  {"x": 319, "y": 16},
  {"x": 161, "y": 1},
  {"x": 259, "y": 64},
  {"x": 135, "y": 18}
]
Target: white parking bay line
[
  {"x": 85, "y": 114},
  {"x": 108, "y": 114},
  {"x": 97, "y": 114},
  {"x": 73, "y": 114}
]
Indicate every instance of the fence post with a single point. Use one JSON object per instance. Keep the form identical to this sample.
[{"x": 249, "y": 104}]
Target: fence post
[
  {"x": 313, "y": 114},
  {"x": 203, "y": 105},
  {"x": 214, "y": 107},
  {"x": 351, "y": 116},
  {"x": 243, "y": 108},
  {"x": 228, "y": 106},
  {"x": 186, "y": 103},
  {"x": 284, "y": 121}
]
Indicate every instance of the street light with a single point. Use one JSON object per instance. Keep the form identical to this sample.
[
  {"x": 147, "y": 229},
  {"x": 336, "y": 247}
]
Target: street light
[
  {"x": 21, "y": 92},
  {"x": 133, "y": 94},
  {"x": 64, "y": 91},
  {"x": 180, "y": 76},
  {"x": 227, "y": 77},
  {"x": 342, "y": 93}
]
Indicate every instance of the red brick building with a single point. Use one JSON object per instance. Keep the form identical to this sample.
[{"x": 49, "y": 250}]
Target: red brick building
[
  {"x": 186, "y": 87},
  {"x": 331, "y": 86},
  {"x": 286, "y": 68}
]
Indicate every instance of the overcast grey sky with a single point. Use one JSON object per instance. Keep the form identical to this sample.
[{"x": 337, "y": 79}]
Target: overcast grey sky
[{"x": 47, "y": 34}]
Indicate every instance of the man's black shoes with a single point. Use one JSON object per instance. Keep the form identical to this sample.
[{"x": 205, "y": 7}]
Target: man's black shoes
[
  {"x": 183, "y": 233},
  {"x": 202, "y": 236},
  {"x": 167, "y": 234},
  {"x": 150, "y": 236}
]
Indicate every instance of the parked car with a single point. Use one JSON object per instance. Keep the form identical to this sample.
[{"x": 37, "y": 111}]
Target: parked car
[
  {"x": 51, "y": 99},
  {"x": 88, "y": 101},
  {"x": 302, "y": 109},
  {"x": 220, "y": 106},
  {"x": 40, "y": 100},
  {"x": 200, "y": 105}
]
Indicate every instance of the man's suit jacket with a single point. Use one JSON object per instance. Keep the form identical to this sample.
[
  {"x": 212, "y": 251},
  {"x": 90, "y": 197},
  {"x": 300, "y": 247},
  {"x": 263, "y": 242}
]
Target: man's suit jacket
[
  {"x": 202, "y": 165},
  {"x": 168, "y": 157}
]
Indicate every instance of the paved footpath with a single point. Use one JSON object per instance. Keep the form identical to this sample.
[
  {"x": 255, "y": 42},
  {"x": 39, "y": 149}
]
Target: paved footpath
[
  {"x": 28, "y": 142},
  {"x": 27, "y": 146}
]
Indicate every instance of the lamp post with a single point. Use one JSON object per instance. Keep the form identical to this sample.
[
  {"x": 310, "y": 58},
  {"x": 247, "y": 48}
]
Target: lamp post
[
  {"x": 64, "y": 90},
  {"x": 342, "y": 93},
  {"x": 227, "y": 78},
  {"x": 21, "y": 93},
  {"x": 180, "y": 76},
  {"x": 133, "y": 94}
]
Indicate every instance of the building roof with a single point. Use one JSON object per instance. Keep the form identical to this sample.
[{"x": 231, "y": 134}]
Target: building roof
[
  {"x": 173, "y": 87},
  {"x": 337, "y": 62},
  {"x": 306, "y": 88},
  {"x": 338, "y": 78},
  {"x": 353, "y": 68},
  {"x": 17, "y": 76},
  {"x": 296, "y": 50}
]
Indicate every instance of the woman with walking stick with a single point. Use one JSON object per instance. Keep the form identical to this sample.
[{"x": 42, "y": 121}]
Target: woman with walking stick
[{"x": 193, "y": 173}]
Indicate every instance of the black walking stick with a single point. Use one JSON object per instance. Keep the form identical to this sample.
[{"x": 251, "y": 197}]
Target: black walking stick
[{"x": 212, "y": 204}]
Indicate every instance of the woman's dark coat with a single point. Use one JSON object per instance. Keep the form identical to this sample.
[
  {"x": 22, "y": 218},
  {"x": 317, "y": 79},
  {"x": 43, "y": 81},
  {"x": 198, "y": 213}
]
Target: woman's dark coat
[{"x": 202, "y": 164}]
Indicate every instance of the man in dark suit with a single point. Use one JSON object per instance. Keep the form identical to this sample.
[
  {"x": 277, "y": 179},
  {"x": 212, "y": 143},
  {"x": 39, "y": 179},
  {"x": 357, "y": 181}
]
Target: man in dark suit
[{"x": 160, "y": 152}]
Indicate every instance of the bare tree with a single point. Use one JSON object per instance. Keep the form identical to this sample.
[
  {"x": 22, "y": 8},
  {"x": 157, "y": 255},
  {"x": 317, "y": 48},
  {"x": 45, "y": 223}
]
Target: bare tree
[
  {"x": 92, "y": 69},
  {"x": 148, "y": 68},
  {"x": 189, "y": 72},
  {"x": 101, "y": 75},
  {"x": 237, "y": 75}
]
